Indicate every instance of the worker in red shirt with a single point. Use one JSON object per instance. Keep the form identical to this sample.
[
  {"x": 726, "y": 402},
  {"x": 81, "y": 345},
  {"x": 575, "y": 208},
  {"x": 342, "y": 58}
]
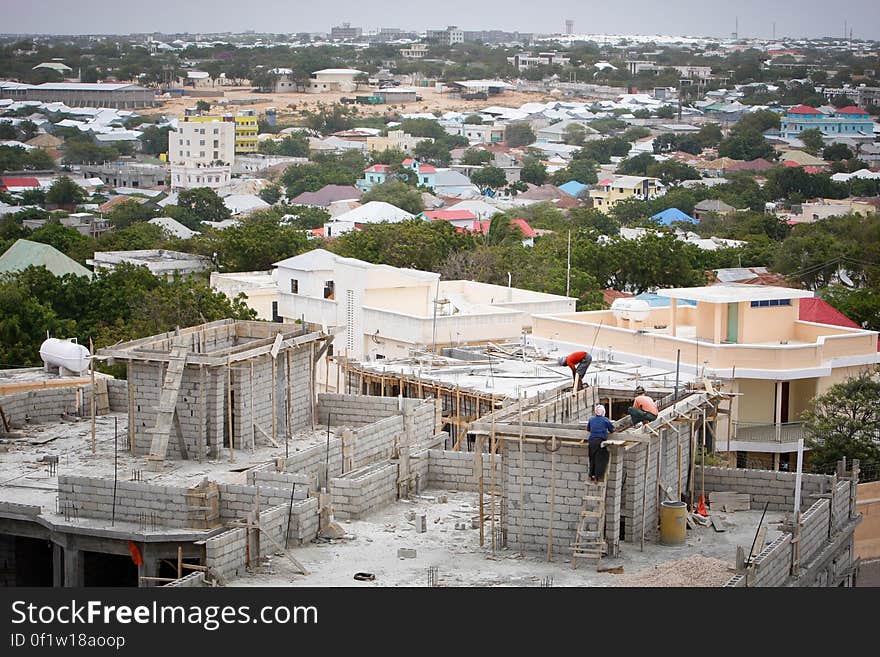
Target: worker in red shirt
[
  {"x": 643, "y": 409},
  {"x": 578, "y": 361}
]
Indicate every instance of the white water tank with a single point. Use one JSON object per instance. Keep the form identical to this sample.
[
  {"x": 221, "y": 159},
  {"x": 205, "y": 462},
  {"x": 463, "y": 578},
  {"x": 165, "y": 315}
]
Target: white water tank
[
  {"x": 636, "y": 310},
  {"x": 65, "y": 354}
]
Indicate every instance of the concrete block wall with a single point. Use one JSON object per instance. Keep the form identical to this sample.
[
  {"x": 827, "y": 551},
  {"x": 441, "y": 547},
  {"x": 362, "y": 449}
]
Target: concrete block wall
[
  {"x": 238, "y": 501},
  {"x": 313, "y": 461},
  {"x": 613, "y": 498},
  {"x": 772, "y": 566},
  {"x": 274, "y": 523},
  {"x": 16, "y": 509},
  {"x": 93, "y": 498},
  {"x": 840, "y": 504},
  {"x": 117, "y": 392},
  {"x": 285, "y": 480},
  {"x": 374, "y": 442},
  {"x": 419, "y": 419},
  {"x": 46, "y": 405},
  {"x": 634, "y": 493},
  {"x": 303, "y": 521},
  {"x": 362, "y": 491},
  {"x": 225, "y": 553},
  {"x": 777, "y": 488},
  {"x": 814, "y": 530},
  {"x": 252, "y": 400},
  {"x": 456, "y": 470},
  {"x": 193, "y": 580},
  {"x": 528, "y": 525},
  {"x": 355, "y": 410}
]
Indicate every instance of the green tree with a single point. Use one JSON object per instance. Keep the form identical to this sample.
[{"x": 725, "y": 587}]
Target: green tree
[
  {"x": 154, "y": 140},
  {"x": 845, "y": 421},
  {"x": 812, "y": 139},
  {"x": 519, "y": 133},
  {"x": 434, "y": 152},
  {"x": 136, "y": 236},
  {"x": 203, "y": 106},
  {"x": 65, "y": 193},
  {"x": 665, "y": 112},
  {"x": 259, "y": 240},
  {"x": 396, "y": 193},
  {"x": 67, "y": 240},
  {"x": 476, "y": 157},
  {"x": 709, "y": 135},
  {"x": 129, "y": 212},
  {"x": 489, "y": 178},
  {"x": 473, "y": 119},
  {"x": 200, "y": 204},
  {"x": 533, "y": 171},
  {"x": 837, "y": 152},
  {"x": 746, "y": 145},
  {"x": 862, "y": 305},
  {"x": 574, "y": 134},
  {"x": 271, "y": 193}
]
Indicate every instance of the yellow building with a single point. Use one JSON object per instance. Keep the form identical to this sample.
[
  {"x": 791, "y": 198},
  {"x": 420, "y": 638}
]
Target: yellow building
[
  {"x": 749, "y": 337},
  {"x": 610, "y": 191},
  {"x": 246, "y": 130}
]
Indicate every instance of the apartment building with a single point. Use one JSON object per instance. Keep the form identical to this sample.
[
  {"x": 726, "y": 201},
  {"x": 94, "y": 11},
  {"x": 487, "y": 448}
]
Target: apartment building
[
  {"x": 202, "y": 152},
  {"x": 246, "y": 129},
  {"x": 523, "y": 61},
  {"x": 748, "y": 337},
  {"x": 414, "y": 51},
  {"x": 844, "y": 122}
]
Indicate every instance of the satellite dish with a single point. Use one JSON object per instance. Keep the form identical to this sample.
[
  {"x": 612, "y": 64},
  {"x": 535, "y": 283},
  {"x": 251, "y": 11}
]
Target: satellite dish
[{"x": 844, "y": 278}]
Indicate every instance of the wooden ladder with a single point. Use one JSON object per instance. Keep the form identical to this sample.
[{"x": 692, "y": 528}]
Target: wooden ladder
[
  {"x": 168, "y": 405},
  {"x": 589, "y": 542}
]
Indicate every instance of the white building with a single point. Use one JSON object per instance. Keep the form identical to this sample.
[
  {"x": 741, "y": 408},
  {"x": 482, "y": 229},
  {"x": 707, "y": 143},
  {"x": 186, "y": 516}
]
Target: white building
[
  {"x": 159, "y": 261},
  {"x": 258, "y": 287},
  {"x": 333, "y": 79},
  {"x": 202, "y": 153},
  {"x": 373, "y": 212},
  {"x": 383, "y": 311}
]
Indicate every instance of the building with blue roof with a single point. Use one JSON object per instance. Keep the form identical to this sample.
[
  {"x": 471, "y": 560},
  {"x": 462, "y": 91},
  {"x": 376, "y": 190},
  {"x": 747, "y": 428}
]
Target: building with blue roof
[
  {"x": 669, "y": 215},
  {"x": 573, "y": 187}
]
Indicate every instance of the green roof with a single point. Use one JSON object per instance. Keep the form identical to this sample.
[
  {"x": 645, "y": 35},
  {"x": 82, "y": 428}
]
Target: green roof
[{"x": 24, "y": 254}]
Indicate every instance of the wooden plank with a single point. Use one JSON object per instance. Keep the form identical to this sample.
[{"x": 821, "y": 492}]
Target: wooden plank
[{"x": 718, "y": 524}]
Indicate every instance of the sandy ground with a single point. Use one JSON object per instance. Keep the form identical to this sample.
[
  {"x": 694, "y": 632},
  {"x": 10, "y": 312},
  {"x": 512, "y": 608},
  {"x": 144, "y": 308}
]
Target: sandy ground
[
  {"x": 372, "y": 544},
  {"x": 289, "y": 105}
]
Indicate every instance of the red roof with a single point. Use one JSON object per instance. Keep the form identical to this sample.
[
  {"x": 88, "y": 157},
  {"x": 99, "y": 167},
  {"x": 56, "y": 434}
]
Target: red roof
[
  {"x": 19, "y": 182},
  {"x": 483, "y": 227},
  {"x": 851, "y": 109},
  {"x": 804, "y": 109},
  {"x": 758, "y": 164},
  {"x": 377, "y": 168},
  {"x": 423, "y": 168},
  {"x": 816, "y": 310},
  {"x": 450, "y": 215},
  {"x": 791, "y": 163},
  {"x": 523, "y": 225}
]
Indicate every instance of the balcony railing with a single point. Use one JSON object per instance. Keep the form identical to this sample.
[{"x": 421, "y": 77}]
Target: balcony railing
[{"x": 785, "y": 432}]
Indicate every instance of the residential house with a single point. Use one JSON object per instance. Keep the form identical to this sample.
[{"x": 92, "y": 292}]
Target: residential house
[
  {"x": 610, "y": 191},
  {"x": 557, "y": 132},
  {"x": 384, "y": 312},
  {"x": 159, "y": 261},
  {"x": 750, "y": 337},
  {"x": 414, "y": 51},
  {"x": 25, "y": 253},
  {"x": 844, "y": 122},
  {"x": 523, "y": 61},
  {"x": 373, "y": 212},
  {"x": 85, "y": 223},
  {"x": 202, "y": 152},
  {"x": 378, "y": 174},
  {"x": 327, "y": 195},
  {"x": 258, "y": 287},
  {"x": 712, "y": 206},
  {"x": 396, "y": 139},
  {"x": 333, "y": 79}
]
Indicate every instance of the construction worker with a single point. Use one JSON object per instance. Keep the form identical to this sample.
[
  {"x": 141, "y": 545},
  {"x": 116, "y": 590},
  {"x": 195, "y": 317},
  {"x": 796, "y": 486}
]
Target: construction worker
[
  {"x": 643, "y": 409},
  {"x": 578, "y": 361},
  {"x": 599, "y": 427}
]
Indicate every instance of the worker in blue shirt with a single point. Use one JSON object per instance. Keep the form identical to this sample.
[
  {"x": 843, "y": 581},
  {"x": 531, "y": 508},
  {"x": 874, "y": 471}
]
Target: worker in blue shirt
[{"x": 599, "y": 427}]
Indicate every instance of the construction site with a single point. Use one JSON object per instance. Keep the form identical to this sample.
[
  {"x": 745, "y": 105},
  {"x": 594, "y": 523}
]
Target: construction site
[{"x": 217, "y": 461}]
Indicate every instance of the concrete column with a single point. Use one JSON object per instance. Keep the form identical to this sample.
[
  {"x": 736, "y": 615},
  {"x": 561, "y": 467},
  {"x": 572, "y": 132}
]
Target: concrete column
[
  {"x": 73, "y": 567},
  {"x": 673, "y": 309},
  {"x": 150, "y": 568},
  {"x": 57, "y": 566},
  {"x": 777, "y": 413},
  {"x": 716, "y": 316}
]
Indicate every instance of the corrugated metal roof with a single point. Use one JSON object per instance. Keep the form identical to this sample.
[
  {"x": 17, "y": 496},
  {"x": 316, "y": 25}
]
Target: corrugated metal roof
[{"x": 25, "y": 253}]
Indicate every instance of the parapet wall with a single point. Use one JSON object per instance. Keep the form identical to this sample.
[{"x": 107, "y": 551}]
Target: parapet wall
[
  {"x": 92, "y": 497},
  {"x": 764, "y": 486},
  {"x": 46, "y": 404}
]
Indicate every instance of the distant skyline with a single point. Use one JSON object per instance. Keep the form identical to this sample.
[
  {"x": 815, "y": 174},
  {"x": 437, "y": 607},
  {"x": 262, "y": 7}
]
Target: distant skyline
[{"x": 806, "y": 18}]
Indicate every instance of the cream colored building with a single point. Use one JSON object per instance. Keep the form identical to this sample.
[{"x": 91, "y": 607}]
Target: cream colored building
[
  {"x": 258, "y": 287},
  {"x": 333, "y": 79},
  {"x": 747, "y": 336},
  {"x": 383, "y": 312},
  {"x": 202, "y": 153},
  {"x": 396, "y": 139}
]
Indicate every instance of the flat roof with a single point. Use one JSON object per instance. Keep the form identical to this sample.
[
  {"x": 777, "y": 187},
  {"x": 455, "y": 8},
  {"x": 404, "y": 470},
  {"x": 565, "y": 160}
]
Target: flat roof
[{"x": 733, "y": 293}]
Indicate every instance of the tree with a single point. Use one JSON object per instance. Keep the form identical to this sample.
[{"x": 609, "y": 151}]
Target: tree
[
  {"x": 397, "y": 193},
  {"x": 140, "y": 235},
  {"x": 488, "y": 178},
  {"x": 709, "y": 135},
  {"x": 635, "y": 133},
  {"x": 68, "y": 240},
  {"x": 8, "y": 131},
  {"x": 473, "y": 119},
  {"x": 434, "y": 152},
  {"x": 845, "y": 421},
  {"x": 271, "y": 193},
  {"x": 533, "y": 171},
  {"x": 837, "y": 152},
  {"x": 637, "y": 166},
  {"x": 476, "y": 157},
  {"x": 203, "y": 106},
  {"x": 574, "y": 134},
  {"x": 746, "y": 145},
  {"x": 519, "y": 133},
  {"x": 129, "y": 212},
  {"x": 154, "y": 140},
  {"x": 665, "y": 112},
  {"x": 65, "y": 193},
  {"x": 862, "y": 305},
  {"x": 259, "y": 240},
  {"x": 812, "y": 139},
  {"x": 201, "y": 204}
]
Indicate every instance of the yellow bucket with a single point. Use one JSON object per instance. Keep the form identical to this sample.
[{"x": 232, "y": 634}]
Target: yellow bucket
[{"x": 673, "y": 523}]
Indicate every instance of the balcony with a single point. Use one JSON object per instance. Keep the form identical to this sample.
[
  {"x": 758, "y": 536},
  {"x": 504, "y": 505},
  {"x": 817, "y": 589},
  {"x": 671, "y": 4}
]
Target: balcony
[{"x": 769, "y": 438}]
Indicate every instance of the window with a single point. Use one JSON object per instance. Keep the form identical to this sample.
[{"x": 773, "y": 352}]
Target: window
[
  {"x": 294, "y": 286},
  {"x": 766, "y": 303},
  {"x": 201, "y": 142},
  {"x": 329, "y": 290},
  {"x": 275, "y": 316}
]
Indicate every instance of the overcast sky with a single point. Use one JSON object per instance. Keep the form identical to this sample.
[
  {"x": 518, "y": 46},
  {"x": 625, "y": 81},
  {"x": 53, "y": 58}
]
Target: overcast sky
[{"x": 811, "y": 18}]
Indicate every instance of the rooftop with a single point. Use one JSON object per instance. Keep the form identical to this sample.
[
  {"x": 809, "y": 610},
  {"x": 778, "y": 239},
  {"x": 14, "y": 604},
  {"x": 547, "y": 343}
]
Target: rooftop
[{"x": 733, "y": 293}]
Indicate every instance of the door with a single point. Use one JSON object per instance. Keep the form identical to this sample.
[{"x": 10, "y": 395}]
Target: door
[
  {"x": 732, "y": 322},
  {"x": 783, "y": 412}
]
